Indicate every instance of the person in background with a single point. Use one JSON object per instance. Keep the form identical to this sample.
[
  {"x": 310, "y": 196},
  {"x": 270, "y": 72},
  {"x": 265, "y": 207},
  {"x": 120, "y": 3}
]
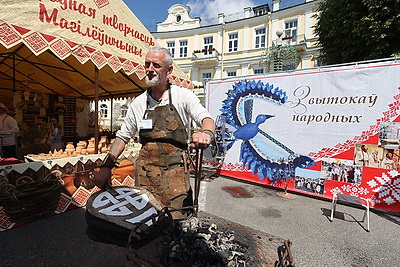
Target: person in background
[
  {"x": 162, "y": 116},
  {"x": 388, "y": 162},
  {"x": 362, "y": 157},
  {"x": 55, "y": 136},
  {"x": 8, "y": 129}
]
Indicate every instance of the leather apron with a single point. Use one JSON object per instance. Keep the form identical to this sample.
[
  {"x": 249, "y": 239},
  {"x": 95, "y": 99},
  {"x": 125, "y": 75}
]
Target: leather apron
[{"x": 162, "y": 164}]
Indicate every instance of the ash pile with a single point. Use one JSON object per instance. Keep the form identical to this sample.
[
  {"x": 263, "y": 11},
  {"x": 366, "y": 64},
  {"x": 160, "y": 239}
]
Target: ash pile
[{"x": 201, "y": 244}]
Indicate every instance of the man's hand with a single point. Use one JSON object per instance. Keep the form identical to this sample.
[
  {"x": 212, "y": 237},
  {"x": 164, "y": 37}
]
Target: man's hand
[
  {"x": 200, "y": 140},
  {"x": 103, "y": 177}
]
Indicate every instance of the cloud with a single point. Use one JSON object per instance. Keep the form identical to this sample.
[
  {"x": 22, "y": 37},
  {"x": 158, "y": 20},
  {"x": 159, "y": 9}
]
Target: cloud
[{"x": 206, "y": 9}]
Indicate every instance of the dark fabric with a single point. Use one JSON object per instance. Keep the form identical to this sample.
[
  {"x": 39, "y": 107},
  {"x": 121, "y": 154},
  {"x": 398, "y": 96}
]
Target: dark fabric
[
  {"x": 100, "y": 230},
  {"x": 9, "y": 151}
]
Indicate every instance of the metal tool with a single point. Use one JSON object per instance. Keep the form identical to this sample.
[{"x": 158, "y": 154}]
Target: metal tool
[{"x": 197, "y": 176}]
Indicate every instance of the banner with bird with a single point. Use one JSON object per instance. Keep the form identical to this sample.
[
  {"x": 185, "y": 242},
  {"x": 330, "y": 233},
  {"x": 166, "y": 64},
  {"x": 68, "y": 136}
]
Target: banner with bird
[{"x": 290, "y": 125}]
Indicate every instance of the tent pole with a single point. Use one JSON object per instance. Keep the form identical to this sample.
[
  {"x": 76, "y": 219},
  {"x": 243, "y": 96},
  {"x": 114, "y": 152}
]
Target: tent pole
[
  {"x": 13, "y": 72},
  {"x": 111, "y": 114},
  {"x": 96, "y": 110}
]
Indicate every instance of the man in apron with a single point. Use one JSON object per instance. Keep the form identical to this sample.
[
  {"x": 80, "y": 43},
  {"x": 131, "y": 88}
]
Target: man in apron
[{"x": 162, "y": 116}]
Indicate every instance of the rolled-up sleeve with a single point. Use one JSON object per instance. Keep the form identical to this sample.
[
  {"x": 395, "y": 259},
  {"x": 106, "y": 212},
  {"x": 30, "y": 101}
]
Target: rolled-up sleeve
[{"x": 130, "y": 125}]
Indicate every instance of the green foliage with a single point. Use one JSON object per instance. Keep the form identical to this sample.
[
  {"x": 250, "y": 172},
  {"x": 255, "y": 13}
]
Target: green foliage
[
  {"x": 358, "y": 30},
  {"x": 280, "y": 56}
]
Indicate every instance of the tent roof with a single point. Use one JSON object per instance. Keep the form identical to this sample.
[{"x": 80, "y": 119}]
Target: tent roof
[{"x": 54, "y": 47}]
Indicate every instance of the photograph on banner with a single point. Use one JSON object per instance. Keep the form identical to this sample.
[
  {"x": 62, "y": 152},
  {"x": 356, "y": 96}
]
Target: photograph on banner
[
  {"x": 389, "y": 135},
  {"x": 367, "y": 155},
  {"x": 341, "y": 170},
  {"x": 309, "y": 181}
]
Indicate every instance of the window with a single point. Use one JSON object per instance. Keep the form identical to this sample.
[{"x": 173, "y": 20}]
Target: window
[
  {"x": 124, "y": 110},
  {"x": 258, "y": 71},
  {"x": 291, "y": 29},
  {"x": 231, "y": 73},
  {"x": 319, "y": 62},
  {"x": 208, "y": 45},
  {"x": 233, "y": 42},
  {"x": 183, "y": 48},
  {"x": 171, "y": 48},
  {"x": 260, "y": 38},
  {"x": 104, "y": 110},
  {"x": 206, "y": 77},
  {"x": 289, "y": 67}
]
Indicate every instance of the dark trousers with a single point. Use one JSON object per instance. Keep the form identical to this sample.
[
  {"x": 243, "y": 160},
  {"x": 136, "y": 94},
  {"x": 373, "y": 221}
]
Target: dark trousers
[{"x": 9, "y": 151}]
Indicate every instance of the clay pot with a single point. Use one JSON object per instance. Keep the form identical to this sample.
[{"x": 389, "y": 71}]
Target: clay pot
[
  {"x": 69, "y": 148},
  {"x": 82, "y": 144},
  {"x": 83, "y": 151},
  {"x": 85, "y": 179},
  {"x": 69, "y": 186},
  {"x": 104, "y": 149},
  {"x": 91, "y": 148}
]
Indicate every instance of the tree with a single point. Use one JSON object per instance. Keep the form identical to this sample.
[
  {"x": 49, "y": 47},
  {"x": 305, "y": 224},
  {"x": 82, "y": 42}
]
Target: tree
[{"x": 358, "y": 30}]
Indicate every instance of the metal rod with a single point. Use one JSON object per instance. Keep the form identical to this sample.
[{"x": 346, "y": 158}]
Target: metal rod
[
  {"x": 197, "y": 176},
  {"x": 96, "y": 110}
]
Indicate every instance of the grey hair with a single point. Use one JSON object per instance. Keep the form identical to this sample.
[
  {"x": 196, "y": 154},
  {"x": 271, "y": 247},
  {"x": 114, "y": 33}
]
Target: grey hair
[{"x": 168, "y": 56}]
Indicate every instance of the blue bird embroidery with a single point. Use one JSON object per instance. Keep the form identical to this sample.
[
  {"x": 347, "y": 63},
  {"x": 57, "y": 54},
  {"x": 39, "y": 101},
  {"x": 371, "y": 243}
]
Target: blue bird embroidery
[{"x": 248, "y": 131}]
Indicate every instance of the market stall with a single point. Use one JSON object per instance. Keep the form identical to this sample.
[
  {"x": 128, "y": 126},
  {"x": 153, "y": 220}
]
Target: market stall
[
  {"x": 56, "y": 47},
  {"x": 56, "y": 56}
]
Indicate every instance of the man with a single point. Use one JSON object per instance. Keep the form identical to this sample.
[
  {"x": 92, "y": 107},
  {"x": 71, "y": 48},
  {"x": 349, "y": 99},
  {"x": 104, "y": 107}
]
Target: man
[
  {"x": 162, "y": 116},
  {"x": 362, "y": 157},
  {"x": 8, "y": 129}
]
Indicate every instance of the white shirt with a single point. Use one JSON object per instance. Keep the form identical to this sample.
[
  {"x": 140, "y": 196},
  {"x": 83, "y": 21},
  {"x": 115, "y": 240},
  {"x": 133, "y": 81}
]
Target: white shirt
[
  {"x": 185, "y": 101},
  {"x": 8, "y": 129}
]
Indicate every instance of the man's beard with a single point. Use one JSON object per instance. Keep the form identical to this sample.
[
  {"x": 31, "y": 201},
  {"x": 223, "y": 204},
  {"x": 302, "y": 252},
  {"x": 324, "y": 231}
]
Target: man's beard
[{"x": 153, "y": 82}]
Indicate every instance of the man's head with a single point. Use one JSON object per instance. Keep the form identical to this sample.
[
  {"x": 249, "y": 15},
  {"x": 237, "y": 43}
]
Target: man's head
[
  {"x": 3, "y": 108},
  {"x": 158, "y": 65},
  {"x": 364, "y": 148}
]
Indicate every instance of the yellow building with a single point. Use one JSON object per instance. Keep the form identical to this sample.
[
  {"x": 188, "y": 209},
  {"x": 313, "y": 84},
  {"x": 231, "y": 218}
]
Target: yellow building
[{"x": 234, "y": 45}]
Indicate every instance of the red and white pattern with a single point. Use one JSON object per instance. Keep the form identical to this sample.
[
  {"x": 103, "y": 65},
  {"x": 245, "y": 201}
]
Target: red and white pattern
[
  {"x": 60, "y": 48},
  {"x": 63, "y": 203},
  {"x": 11, "y": 35},
  {"x": 128, "y": 181},
  {"x": 388, "y": 115},
  {"x": 101, "y": 3},
  {"x": 4, "y": 220},
  {"x": 387, "y": 187},
  {"x": 350, "y": 189},
  {"x": 81, "y": 196},
  {"x": 8, "y": 35}
]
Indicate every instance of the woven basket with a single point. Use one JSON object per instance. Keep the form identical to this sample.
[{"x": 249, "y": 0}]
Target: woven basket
[{"x": 28, "y": 200}]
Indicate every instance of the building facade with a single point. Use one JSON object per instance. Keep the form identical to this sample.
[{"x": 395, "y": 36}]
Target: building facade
[{"x": 238, "y": 44}]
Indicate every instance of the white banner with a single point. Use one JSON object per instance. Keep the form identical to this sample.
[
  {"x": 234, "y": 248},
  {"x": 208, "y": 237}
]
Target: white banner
[{"x": 323, "y": 112}]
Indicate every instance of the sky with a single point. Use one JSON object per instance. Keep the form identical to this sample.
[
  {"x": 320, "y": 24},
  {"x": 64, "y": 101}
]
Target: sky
[{"x": 150, "y": 13}]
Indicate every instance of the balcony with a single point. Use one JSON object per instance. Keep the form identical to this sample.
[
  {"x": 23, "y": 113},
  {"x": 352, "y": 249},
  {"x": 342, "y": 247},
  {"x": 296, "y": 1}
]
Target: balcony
[
  {"x": 298, "y": 41},
  {"x": 205, "y": 56}
]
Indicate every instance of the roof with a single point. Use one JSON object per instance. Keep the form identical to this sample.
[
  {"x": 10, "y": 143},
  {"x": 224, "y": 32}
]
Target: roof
[{"x": 54, "y": 47}]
